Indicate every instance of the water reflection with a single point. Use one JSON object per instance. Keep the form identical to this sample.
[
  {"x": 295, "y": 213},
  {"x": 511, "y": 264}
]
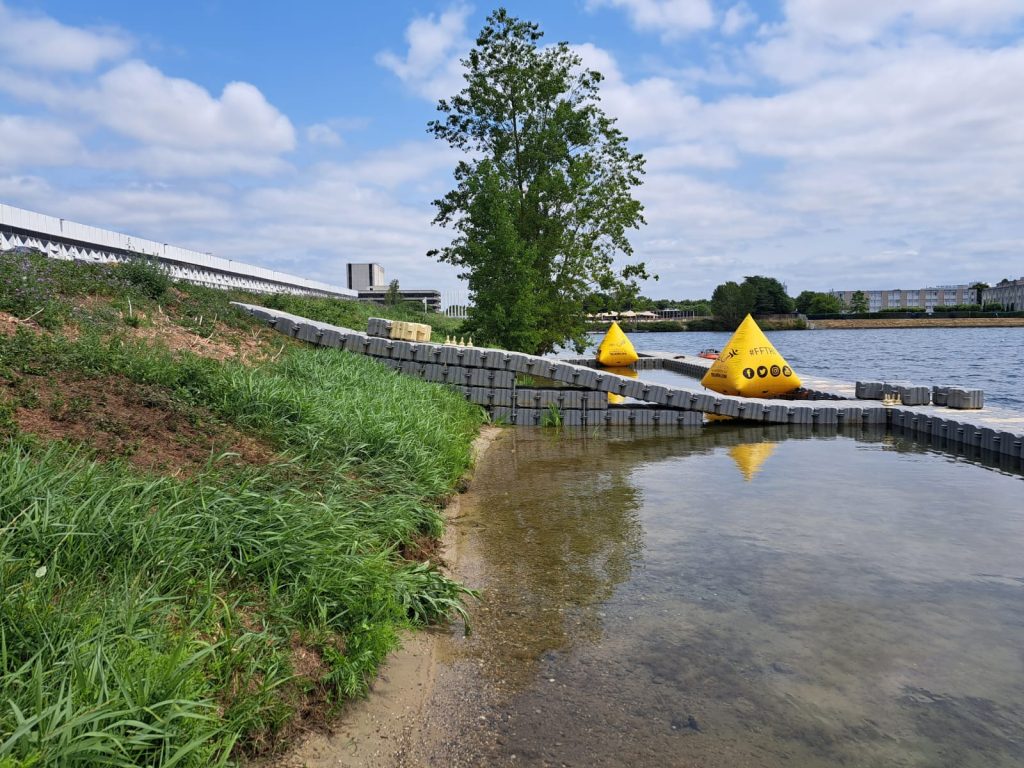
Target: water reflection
[
  {"x": 736, "y": 597},
  {"x": 750, "y": 456},
  {"x": 549, "y": 563}
]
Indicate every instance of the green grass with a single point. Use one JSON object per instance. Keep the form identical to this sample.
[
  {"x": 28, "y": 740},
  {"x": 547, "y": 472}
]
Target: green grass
[
  {"x": 155, "y": 620},
  {"x": 43, "y": 289}
]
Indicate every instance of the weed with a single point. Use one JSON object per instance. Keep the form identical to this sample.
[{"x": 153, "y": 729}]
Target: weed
[
  {"x": 147, "y": 275},
  {"x": 552, "y": 416}
]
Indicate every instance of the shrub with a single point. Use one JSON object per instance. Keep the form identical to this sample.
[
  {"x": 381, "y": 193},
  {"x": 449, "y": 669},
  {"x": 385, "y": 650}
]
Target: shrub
[{"x": 148, "y": 275}]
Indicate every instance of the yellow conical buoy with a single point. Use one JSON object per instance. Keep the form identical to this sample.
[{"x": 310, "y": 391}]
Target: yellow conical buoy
[
  {"x": 749, "y": 366},
  {"x": 750, "y": 456},
  {"x": 615, "y": 350}
]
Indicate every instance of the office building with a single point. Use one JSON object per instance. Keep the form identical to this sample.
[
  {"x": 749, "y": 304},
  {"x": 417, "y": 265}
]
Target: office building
[{"x": 362, "y": 277}]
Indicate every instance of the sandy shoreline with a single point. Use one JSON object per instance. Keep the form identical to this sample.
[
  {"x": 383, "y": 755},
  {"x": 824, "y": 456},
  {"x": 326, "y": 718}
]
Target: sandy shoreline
[{"x": 391, "y": 728}]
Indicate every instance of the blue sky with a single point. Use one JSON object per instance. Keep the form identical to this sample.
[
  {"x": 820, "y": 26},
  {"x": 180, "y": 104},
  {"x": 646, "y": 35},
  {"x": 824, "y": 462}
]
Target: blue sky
[{"x": 829, "y": 143}]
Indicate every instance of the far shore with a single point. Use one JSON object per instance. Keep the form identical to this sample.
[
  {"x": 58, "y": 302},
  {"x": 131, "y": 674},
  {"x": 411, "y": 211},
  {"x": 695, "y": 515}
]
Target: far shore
[
  {"x": 701, "y": 324},
  {"x": 922, "y": 322}
]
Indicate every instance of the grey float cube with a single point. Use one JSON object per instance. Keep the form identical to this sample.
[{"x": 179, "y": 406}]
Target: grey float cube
[
  {"x": 433, "y": 372},
  {"x": 868, "y": 390},
  {"x": 915, "y": 395},
  {"x": 357, "y": 343},
  {"x": 964, "y": 399},
  {"x": 751, "y": 411},
  {"x": 379, "y": 347},
  {"x": 826, "y": 415}
]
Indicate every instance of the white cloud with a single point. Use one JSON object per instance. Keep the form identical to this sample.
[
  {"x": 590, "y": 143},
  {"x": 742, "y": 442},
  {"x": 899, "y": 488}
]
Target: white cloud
[
  {"x": 431, "y": 65},
  {"x": 323, "y": 134},
  {"x": 139, "y": 101},
  {"x": 168, "y": 162},
  {"x": 867, "y": 20},
  {"x": 26, "y": 142},
  {"x": 178, "y": 127},
  {"x": 650, "y": 107},
  {"x": 413, "y": 161},
  {"x": 40, "y": 42},
  {"x": 738, "y": 18},
  {"x": 670, "y": 18}
]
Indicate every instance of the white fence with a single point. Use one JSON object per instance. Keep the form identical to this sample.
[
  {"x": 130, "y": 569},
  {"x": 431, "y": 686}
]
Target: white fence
[{"x": 62, "y": 239}]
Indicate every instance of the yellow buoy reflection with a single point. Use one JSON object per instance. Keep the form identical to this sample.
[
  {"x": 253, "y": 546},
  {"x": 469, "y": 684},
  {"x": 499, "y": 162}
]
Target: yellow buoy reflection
[
  {"x": 750, "y": 456},
  {"x": 621, "y": 370}
]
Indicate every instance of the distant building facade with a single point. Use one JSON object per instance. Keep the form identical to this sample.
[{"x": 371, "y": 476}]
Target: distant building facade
[
  {"x": 429, "y": 298},
  {"x": 369, "y": 281},
  {"x": 926, "y": 298},
  {"x": 362, "y": 277},
  {"x": 1010, "y": 294}
]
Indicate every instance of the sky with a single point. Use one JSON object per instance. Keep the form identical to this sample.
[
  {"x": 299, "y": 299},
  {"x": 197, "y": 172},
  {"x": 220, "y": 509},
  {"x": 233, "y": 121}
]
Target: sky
[{"x": 830, "y": 144}]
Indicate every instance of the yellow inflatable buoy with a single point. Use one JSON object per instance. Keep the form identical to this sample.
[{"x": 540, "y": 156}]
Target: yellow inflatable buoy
[
  {"x": 749, "y": 366},
  {"x": 622, "y": 371},
  {"x": 615, "y": 349}
]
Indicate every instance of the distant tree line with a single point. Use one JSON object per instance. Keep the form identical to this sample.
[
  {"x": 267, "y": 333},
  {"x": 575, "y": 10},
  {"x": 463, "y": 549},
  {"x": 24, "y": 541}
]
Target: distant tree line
[{"x": 760, "y": 295}]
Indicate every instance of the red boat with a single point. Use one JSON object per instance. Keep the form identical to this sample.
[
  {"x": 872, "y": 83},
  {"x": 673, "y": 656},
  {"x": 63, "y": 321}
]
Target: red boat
[{"x": 710, "y": 354}]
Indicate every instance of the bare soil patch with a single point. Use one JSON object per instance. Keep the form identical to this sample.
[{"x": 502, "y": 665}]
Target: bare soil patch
[
  {"x": 224, "y": 343},
  {"x": 9, "y": 324},
  {"x": 118, "y": 418}
]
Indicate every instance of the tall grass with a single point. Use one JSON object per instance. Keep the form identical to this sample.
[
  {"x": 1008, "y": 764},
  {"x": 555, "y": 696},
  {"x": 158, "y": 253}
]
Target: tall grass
[{"x": 154, "y": 620}]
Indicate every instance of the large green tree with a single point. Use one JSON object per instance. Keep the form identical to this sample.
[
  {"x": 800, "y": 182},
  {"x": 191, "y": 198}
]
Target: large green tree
[
  {"x": 543, "y": 200},
  {"x": 818, "y": 303},
  {"x": 859, "y": 303},
  {"x": 756, "y": 295}
]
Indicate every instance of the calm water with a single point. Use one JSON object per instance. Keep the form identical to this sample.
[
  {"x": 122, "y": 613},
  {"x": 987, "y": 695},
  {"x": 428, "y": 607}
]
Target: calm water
[
  {"x": 737, "y": 597},
  {"x": 988, "y": 358}
]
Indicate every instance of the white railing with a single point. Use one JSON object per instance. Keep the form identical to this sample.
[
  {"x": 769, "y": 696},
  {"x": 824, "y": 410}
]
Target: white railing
[{"x": 61, "y": 239}]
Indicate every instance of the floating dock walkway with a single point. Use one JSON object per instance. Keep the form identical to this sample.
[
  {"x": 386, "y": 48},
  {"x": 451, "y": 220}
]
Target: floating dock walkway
[{"x": 522, "y": 389}]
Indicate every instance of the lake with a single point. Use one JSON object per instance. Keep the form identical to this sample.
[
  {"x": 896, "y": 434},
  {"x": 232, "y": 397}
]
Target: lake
[{"x": 735, "y": 597}]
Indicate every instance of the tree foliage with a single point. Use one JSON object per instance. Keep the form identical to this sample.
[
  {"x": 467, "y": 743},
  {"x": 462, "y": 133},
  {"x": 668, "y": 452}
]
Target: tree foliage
[
  {"x": 756, "y": 295},
  {"x": 818, "y": 303},
  {"x": 979, "y": 291},
  {"x": 543, "y": 199},
  {"x": 859, "y": 302}
]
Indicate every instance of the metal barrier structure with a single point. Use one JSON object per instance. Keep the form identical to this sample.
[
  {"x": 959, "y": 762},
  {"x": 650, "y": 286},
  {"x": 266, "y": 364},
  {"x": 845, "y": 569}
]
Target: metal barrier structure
[{"x": 61, "y": 239}]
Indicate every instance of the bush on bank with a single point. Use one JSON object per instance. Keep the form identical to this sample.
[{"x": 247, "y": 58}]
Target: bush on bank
[{"x": 187, "y": 619}]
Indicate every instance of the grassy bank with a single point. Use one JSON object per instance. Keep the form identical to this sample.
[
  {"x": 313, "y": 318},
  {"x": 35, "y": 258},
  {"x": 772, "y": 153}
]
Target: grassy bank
[{"x": 211, "y": 535}]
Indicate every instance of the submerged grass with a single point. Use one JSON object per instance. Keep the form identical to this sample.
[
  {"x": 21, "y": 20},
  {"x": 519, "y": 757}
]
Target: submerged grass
[{"x": 169, "y": 621}]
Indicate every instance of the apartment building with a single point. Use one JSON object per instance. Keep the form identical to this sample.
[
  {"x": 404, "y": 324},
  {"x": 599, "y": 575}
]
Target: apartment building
[{"x": 926, "y": 298}]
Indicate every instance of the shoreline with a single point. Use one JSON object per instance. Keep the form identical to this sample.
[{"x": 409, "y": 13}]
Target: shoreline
[
  {"x": 922, "y": 322},
  {"x": 387, "y": 728}
]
